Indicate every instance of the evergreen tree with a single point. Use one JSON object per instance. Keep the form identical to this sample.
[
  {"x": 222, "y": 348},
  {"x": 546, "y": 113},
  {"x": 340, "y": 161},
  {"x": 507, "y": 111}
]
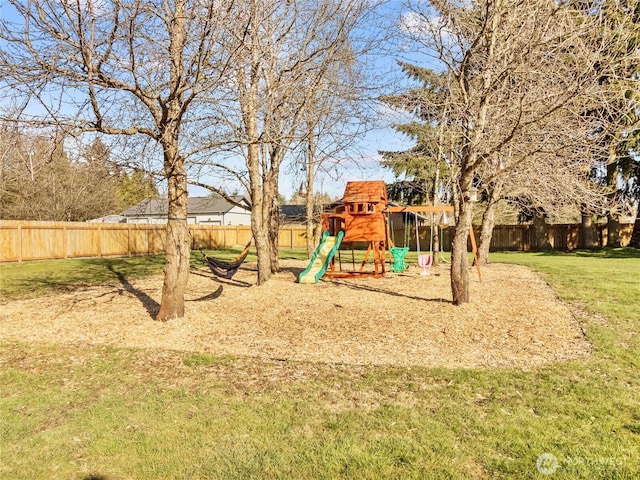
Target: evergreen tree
[
  {"x": 133, "y": 188},
  {"x": 422, "y": 170},
  {"x": 619, "y": 75}
]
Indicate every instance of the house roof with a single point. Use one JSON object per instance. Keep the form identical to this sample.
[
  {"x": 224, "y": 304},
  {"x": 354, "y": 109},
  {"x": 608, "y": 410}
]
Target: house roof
[
  {"x": 108, "y": 219},
  {"x": 372, "y": 191},
  {"x": 293, "y": 213},
  {"x": 195, "y": 206}
]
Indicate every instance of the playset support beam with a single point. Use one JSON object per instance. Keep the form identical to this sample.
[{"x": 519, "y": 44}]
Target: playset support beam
[{"x": 419, "y": 209}]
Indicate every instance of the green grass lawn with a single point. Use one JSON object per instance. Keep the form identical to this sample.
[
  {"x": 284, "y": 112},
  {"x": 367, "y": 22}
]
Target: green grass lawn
[{"x": 100, "y": 412}]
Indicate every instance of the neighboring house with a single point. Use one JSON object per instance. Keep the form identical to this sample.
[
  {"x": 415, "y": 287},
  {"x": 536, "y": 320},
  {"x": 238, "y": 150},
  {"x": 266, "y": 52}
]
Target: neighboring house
[
  {"x": 109, "y": 219},
  {"x": 211, "y": 210},
  {"x": 293, "y": 214},
  {"x": 297, "y": 214}
]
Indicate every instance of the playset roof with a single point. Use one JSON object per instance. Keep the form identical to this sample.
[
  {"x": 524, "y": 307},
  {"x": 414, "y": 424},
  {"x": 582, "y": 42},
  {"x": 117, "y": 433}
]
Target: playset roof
[{"x": 374, "y": 191}]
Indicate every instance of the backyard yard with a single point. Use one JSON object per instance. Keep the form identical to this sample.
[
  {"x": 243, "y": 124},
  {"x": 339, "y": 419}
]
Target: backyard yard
[{"x": 369, "y": 378}]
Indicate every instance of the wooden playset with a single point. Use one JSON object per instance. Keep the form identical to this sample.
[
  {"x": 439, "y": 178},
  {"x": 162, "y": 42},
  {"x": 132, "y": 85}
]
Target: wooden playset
[{"x": 362, "y": 219}]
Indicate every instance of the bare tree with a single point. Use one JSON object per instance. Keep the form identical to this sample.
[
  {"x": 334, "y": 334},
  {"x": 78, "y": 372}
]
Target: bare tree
[
  {"x": 425, "y": 166},
  {"x": 333, "y": 123},
  {"x": 547, "y": 175},
  {"x": 285, "y": 53},
  {"x": 619, "y": 76},
  {"x": 127, "y": 68},
  {"x": 511, "y": 68}
]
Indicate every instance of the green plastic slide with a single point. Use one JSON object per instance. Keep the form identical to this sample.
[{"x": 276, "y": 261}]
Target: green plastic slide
[{"x": 321, "y": 258}]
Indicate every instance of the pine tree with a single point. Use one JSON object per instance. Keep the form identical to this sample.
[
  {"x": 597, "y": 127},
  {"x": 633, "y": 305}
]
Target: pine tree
[{"x": 421, "y": 170}]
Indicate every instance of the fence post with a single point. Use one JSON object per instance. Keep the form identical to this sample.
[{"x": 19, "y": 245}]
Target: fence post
[
  {"x": 65, "y": 243},
  {"x": 19, "y": 243},
  {"x": 99, "y": 240}
]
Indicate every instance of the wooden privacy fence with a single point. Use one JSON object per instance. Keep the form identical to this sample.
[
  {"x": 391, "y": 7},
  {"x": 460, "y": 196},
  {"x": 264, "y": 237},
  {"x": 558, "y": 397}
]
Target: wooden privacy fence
[
  {"x": 517, "y": 237},
  {"x": 21, "y": 241}
]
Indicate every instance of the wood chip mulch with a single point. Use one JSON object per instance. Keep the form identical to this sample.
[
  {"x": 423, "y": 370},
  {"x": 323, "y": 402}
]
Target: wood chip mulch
[{"x": 514, "y": 319}]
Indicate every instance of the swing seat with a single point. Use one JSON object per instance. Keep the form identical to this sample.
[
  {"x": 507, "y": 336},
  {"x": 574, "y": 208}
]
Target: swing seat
[
  {"x": 398, "y": 258},
  {"x": 425, "y": 262}
]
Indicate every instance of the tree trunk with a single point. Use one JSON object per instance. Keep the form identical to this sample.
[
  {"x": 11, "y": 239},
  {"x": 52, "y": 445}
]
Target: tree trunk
[
  {"x": 248, "y": 83},
  {"x": 436, "y": 243},
  {"x": 310, "y": 228},
  {"x": 613, "y": 226},
  {"x": 459, "y": 261},
  {"x": 613, "y": 231},
  {"x": 635, "y": 235},
  {"x": 259, "y": 218},
  {"x": 489, "y": 222},
  {"x": 309, "y": 200},
  {"x": 178, "y": 244},
  {"x": 317, "y": 232},
  {"x": 541, "y": 232},
  {"x": 260, "y": 231},
  {"x": 589, "y": 232},
  {"x": 486, "y": 233},
  {"x": 274, "y": 226},
  {"x": 263, "y": 252}
]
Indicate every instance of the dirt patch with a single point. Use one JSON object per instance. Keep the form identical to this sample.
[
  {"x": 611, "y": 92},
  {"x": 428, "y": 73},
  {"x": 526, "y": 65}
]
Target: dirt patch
[{"x": 514, "y": 319}]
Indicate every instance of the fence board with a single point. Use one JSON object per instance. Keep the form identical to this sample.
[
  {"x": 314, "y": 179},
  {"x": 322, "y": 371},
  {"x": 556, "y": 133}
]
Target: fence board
[
  {"x": 39, "y": 242},
  {"x": 50, "y": 240},
  {"x": 10, "y": 243},
  {"x": 81, "y": 241},
  {"x": 116, "y": 241}
]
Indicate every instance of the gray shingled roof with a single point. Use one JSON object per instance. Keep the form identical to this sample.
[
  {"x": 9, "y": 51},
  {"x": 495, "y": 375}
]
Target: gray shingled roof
[
  {"x": 293, "y": 213},
  {"x": 195, "y": 206}
]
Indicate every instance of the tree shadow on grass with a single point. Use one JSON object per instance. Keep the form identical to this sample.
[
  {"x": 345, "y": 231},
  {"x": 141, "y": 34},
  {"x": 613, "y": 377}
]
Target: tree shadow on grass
[
  {"x": 621, "y": 252},
  {"x": 225, "y": 281},
  {"x": 150, "y": 305}
]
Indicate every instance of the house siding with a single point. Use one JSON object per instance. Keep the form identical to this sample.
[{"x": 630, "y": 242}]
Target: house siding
[
  {"x": 235, "y": 216},
  {"x": 201, "y": 211}
]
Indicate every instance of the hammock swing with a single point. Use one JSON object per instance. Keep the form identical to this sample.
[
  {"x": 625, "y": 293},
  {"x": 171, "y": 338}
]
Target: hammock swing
[{"x": 227, "y": 268}]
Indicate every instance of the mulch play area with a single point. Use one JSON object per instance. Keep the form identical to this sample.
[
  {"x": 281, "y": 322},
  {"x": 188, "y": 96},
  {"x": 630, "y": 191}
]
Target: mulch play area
[{"x": 514, "y": 319}]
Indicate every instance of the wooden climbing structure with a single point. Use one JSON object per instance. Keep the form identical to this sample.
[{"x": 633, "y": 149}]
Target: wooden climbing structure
[{"x": 362, "y": 218}]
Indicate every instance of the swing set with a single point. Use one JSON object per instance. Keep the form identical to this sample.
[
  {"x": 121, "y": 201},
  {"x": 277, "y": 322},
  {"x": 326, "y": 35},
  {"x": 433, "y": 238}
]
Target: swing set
[{"x": 424, "y": 260}]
